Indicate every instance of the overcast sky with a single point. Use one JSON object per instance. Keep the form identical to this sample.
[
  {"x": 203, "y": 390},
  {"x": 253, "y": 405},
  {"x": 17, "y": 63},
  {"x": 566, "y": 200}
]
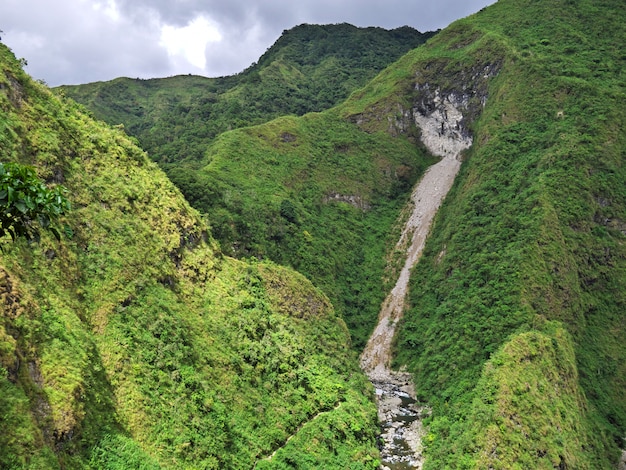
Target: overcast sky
[{"x": 81, "y": 41}]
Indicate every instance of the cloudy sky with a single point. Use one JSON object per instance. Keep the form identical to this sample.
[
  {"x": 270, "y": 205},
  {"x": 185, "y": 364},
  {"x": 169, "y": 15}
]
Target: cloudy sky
[{"x": 80, "y": 41}]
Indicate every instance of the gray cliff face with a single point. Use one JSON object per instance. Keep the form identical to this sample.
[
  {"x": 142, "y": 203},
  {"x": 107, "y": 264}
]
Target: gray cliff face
[
  {"x": 355, "y": 201},
  {"x": 441, "y": 122},
  {"x": 466, "y": 87},
  {"x": 444, "y": 103}
]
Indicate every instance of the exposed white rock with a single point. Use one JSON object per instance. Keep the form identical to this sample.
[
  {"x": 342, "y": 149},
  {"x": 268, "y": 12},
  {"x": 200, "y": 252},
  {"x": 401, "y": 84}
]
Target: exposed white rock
[
  {"x": 442, "y": 132},
  {"x": 353, "y": 200}
]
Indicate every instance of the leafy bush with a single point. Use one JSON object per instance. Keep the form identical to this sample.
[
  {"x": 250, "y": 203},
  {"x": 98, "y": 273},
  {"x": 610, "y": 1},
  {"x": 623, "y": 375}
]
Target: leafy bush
[{"x": 25, "y": 201}]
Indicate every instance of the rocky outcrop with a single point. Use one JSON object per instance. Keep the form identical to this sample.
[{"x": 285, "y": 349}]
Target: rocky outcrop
[
  {"x": 441, "y": 122},
  {"x": 444, "y": 104},
  {"x": 444, "y": 100},
  {"x": 352, "y": 199}
]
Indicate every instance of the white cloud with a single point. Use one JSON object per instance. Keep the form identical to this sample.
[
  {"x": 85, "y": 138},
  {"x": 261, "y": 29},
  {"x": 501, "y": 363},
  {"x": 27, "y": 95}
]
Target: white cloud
[
  {"x": 80, "y": 41},
  {"x": 110, "y": 9},
  {"x": 190, "y": 41}
]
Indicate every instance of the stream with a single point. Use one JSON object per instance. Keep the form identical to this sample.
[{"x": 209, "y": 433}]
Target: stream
[{"x": 399, "y": 414}]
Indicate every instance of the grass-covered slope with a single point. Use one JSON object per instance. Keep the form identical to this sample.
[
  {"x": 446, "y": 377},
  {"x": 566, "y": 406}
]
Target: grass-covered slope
[
  {"x": 316, "y": 193},
  {"x": 309, "y": 68},
  {"x": 516, "y": 326},
  {"x": 135, "y": 343}
]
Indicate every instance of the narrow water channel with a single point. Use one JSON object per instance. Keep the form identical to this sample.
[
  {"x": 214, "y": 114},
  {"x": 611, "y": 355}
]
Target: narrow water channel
[{"x": 399, "y": 414}]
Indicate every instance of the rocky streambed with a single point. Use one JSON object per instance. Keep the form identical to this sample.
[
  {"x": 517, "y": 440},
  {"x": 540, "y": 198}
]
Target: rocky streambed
[
  {"x": 399, "y": 414},
  {"x": 401, "y": 422}
]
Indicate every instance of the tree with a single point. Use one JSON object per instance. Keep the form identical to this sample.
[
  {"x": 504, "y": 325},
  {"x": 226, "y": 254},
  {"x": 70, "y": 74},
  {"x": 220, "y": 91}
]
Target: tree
[{"x": 26, "y": 204}]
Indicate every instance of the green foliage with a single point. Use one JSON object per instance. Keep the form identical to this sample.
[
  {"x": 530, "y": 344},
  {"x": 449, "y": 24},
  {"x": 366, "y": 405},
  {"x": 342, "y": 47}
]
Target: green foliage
[
  {"x": 532, "y": 230},
  {"x": 528, "y": 411},
  {"x": 270, "y": 199},
  {"x": 19, "y": 445},
  {"x": 118, "y": 452},
  {"x": 315, "y": 445},
  {"x": 24, "y": 199},
  {"x": 137, "y": 342},
  {"x": 309, "y": 68}
]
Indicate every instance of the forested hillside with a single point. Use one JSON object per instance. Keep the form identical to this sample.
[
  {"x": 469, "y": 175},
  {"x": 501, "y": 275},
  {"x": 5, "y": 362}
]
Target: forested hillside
[
  {"x": 309, "y": 68},
  {"x": 517, "y": 318},
  {"x": 133, "y": 342},
  {"x": 139, "y": 338}
]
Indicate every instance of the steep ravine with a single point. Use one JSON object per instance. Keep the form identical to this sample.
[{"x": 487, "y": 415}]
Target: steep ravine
[{"x": 399, "y": 414}]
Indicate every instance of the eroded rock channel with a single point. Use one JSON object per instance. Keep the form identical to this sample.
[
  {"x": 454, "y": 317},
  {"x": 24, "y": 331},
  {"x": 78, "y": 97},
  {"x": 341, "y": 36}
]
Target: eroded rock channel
[{"x": 399, "y": 414}]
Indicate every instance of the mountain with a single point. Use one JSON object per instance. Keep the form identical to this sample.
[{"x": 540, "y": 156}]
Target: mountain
[
  {"x": 133, "y": 342},
  {"x": 309, "y": 68},
  {"x": 514, "y": 333},
  {"x": 515, "y": 324},
  {"x": 516, "y": 318}
]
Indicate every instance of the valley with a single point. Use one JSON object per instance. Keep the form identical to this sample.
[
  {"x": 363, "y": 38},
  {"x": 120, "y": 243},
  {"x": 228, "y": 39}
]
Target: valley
[{"x": 425, "y": 239}]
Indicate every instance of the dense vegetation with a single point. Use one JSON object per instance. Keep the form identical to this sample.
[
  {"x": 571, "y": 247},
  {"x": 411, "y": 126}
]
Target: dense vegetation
[
  {"x": 316, "y": 193},
  {"x": 516, "y": 320},
  {"x": 133, "y": 342},
  {"x": 270, "y": 199},
  {"x": 309, "y": 68}
]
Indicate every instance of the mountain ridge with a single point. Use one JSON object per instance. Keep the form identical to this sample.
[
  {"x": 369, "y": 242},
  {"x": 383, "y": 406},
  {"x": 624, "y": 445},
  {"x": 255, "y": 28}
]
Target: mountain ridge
[
  {"x": 309, "y": 68},
  {"x": 515, "y": 317},
  {"x": 135, "y": 342}
]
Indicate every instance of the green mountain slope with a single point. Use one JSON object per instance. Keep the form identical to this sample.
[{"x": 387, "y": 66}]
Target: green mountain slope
[
  {"x": 309, "y": 68},
  {"x": 516, "y": 320},
  {"x": 315, "y": 193},
  {"x": 517, "y": 308},
  {"x": 135, "y": 343}
]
